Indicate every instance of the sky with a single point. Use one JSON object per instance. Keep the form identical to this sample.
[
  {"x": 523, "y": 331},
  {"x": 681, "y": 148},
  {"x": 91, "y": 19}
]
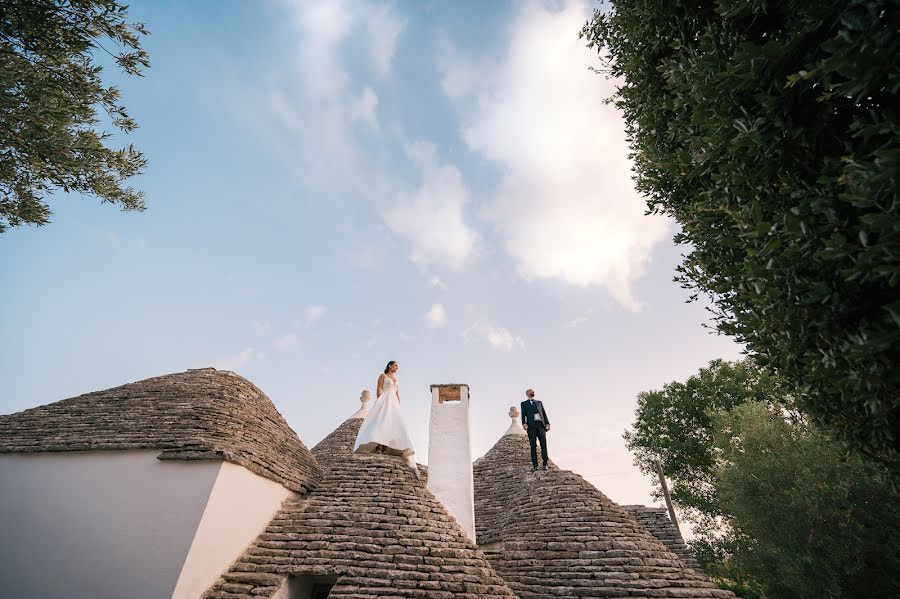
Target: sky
[{"x": 332, "y": 185}]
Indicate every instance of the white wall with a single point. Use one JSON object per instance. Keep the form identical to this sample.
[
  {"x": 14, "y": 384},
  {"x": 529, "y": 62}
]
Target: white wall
[
  {"x": 450, "y": 459},
  {"x": 239, "y": 508},
  {"x": 98, "y": 524}
]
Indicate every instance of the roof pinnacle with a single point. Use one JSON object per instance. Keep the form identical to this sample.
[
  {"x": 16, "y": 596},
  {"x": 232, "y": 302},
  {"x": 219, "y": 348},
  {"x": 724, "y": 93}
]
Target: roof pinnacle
[
  {"x": 364, "y": 408},
  {"x": 515, "y": 428}
]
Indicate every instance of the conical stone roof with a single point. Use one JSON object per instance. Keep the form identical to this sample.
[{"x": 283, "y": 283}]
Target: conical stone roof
[
  {"x": 656, "y": 521},
  {"x": 554, "y": 534},
  {"x": 373, "y": 526},
  {"x": 201, "y": 414},
  {"x": 338, "y": 445},
  {"x": 498, "y": 473}
]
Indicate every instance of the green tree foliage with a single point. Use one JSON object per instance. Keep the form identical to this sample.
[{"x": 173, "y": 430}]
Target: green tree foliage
[
  {"x": 771, "y": 132},
  {"x": 50, "y": 93},
  {"x": 804, "y": 519},
  {"x": 675, "y": 426},
  {"x": 778, "y": 506}
]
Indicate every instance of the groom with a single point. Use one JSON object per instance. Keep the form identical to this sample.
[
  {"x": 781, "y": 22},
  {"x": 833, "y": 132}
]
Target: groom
[{"x": 535, "y": 421}]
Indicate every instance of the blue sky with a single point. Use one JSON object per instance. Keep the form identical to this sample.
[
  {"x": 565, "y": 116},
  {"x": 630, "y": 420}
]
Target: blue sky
[{"x": 335, "y": 185}]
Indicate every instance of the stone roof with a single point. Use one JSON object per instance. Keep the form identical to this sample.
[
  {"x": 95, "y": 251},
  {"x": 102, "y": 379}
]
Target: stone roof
[
  {"x": 497, "y": 473},
  {"x": 656, "y": 521},
  {"x": 373, "y": 526},
  {"x": 554, "y": 534},
  {"x": 339, "y": 444},
  {"x": 202, "y": 414}
]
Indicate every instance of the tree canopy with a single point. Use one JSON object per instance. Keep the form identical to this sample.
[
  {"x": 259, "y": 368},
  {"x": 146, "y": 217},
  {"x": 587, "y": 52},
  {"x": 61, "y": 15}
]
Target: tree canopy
[
  {"x": 803, "y": 519},
  {"x": 51, "y": 92},
  {"x": 776, "y": 504},
  {"x": 771, "y": 132},
  {"x": 675, "y": 425}
]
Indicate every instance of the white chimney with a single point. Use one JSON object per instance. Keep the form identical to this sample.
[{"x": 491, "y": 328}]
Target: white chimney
[{"x": 450, "y": 454}]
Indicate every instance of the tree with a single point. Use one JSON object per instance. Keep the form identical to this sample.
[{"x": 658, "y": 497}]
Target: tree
[
  {"x": 778, "y": 506},
  {"x": 50, "y": 93},
  {"x": 770, "y": 132},
  {"x": 802, "y": 518},
  {"x": 675, "y": 426}
]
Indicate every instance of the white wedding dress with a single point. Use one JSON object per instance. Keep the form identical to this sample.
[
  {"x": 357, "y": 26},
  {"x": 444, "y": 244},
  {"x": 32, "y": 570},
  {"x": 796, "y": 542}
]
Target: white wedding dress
[{"x": 382, "y": 430}]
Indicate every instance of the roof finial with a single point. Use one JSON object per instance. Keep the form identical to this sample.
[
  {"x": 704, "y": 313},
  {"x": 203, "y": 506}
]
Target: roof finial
[
  {"x": 515, "y": 427},
  {"x": 364, "y": 408}
]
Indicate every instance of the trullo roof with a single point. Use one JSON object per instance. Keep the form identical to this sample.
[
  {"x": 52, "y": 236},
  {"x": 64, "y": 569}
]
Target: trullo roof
[
  {"x": 371, "y": 527},
  {"x": 656, "y": 521},
  {"x": 551, "y": 534},
  {"x": 202, "y": 414}
]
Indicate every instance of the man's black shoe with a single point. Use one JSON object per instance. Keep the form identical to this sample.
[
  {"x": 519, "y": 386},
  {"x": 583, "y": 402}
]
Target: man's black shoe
[
  {"x": 545, "y": 466},
  {"x": 534, "y": 468}
]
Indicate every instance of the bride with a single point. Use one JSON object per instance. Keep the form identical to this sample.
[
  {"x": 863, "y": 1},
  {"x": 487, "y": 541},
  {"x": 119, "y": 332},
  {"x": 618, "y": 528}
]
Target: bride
[{"x": 383, "y": 430}]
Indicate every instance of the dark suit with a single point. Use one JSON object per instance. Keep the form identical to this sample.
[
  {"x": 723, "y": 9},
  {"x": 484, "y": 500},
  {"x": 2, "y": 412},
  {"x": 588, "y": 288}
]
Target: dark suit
[{"x": 537, "y": 430}]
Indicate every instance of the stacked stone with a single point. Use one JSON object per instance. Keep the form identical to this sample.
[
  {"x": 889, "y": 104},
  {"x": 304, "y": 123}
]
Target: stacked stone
[
  {"x": 497, "y": 474},
  {"x": 376, "y": 529},
  {"x": 656, "y": 521},
  {"x": 339, "y": 444},
  {"x": 553, "y": 534},
  {"x": 201, "y": 414}
]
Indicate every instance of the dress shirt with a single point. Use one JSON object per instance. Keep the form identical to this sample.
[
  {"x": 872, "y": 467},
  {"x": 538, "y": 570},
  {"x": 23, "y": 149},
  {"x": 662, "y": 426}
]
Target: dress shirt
[{"x": 537, "y": 413}]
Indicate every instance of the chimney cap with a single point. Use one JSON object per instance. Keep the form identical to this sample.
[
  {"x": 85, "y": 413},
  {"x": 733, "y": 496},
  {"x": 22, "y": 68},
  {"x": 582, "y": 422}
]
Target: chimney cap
[{"x": 452, "y": 393}]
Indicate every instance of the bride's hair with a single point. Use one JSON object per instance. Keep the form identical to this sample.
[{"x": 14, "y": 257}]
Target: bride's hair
[{"x": 387, "y": 368}]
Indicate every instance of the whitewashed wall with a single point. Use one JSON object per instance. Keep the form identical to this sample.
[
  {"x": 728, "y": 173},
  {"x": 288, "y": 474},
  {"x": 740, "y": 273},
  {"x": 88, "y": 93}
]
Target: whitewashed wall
[
  {"x": 112, "y": 524},
  {"x": 98, "y": 524},
  {"x": 240, "y": 506}
]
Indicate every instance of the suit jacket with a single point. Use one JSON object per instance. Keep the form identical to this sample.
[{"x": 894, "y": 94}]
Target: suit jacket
[{"x": 528, "y": 412}]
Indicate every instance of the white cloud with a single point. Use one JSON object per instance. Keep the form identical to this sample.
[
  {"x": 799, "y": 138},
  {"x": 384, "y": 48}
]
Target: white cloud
[
  {"x": 435, "y": 281},
  {"x": 261, "y": 327},
  {"x": 436, "y": 316},
  {"x": 236, "y": 362},
  {"x": 576, "y": 321},
  {"x": 430, "y": 218},
  {"x": 363, "y": 108},
  {"x": 459, "y": 75},
  {"x": 579, "y": 320},
  {"x": 314, "y": 313},
  {"x": 566, "y": 207},
  {"x": 499, "y": 338},
  {"x": 319, "y": 112},
  {"x": 288, "y": 341},
  {"x": 383, "y": 28},
  {"x": 326, "y": 27}
]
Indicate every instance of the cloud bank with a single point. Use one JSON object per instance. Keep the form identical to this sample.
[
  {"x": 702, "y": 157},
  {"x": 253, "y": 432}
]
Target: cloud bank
[
  {"x": 430, "y": 217},
  {"x": 566, "y": 208}
]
